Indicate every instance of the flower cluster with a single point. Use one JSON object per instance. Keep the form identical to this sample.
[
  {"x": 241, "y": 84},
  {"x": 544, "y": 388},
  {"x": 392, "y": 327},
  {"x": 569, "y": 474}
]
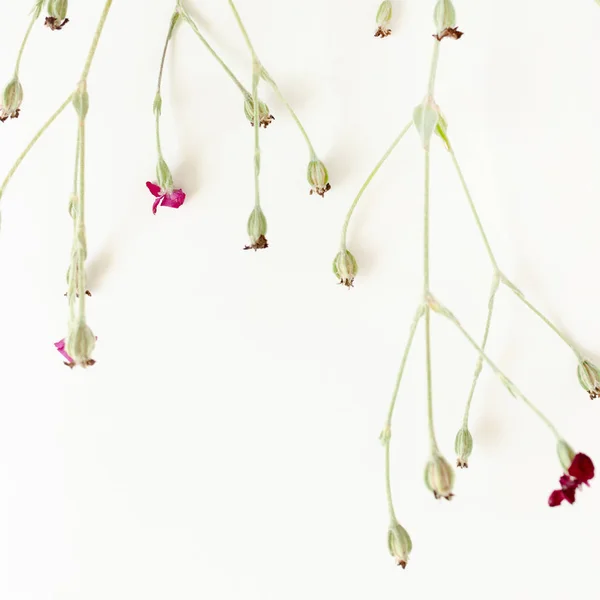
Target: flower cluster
[{"x": 580, "y": 471}]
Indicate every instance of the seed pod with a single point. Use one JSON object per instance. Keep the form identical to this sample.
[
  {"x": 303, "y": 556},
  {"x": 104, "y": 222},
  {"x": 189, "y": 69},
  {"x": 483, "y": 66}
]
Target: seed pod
[{"x": 345, "y": 267}]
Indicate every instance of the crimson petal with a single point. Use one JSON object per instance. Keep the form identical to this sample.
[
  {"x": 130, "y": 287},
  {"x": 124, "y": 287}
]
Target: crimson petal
[
  {"x": 582, "y": 468},
  {"x": 154, "y": 189},
  {"x": 173, "y": 199}
]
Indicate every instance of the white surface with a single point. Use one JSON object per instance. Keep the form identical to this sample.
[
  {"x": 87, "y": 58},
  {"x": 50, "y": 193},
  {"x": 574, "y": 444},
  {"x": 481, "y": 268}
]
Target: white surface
[{"x": 225, "y": 445}]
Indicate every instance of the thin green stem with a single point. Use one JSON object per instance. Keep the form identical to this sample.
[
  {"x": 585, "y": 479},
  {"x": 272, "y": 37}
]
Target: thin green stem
[
  {"x": 236, "y": 14},
  {"x": 368, "y": 181},
  {"x": 255, "y": 79},
  {"x": 479, "y": 364},
  {"x": 195, "y": 29},
  {"x": 24, "y": 43},
  {"x": 81, "y": 275},
  {"x": 503, "y": 378},
  {"x": 271, "y": 82},
  {"x": 32, "y": 143},
  {"x": 433, "y": 68},
  {"x": 96, "y": 39},
  {"x": 388, "y": 484}
]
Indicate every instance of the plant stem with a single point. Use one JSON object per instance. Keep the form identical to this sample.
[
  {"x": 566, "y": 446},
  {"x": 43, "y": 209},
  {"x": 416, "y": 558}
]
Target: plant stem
[
  {"x": 236, "y": 14},
  {"x": 195, "y": 29},
  {"x": 492, "y": 258},
  {"x": 505, "y": 380},
  {"x": 96, "y": 39},
  {"x": 34, "y": 18},
  {"x": 368, "y": 181},
  {"x": 433, "y": 68},
  {"x": 81, "y": 275},
  {"x": 388, "y": 484},
  {"x": 479, "y": 364},
  {"x": 255, "y": 79},
  {"x": 32, "y": 143}
]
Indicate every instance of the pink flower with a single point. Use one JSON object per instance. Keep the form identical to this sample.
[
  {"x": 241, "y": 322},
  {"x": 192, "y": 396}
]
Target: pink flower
[
  {"x": 60, "y": 346},
  {"x": 173, "y": 199},
  {"x": 580, "y": 472}
]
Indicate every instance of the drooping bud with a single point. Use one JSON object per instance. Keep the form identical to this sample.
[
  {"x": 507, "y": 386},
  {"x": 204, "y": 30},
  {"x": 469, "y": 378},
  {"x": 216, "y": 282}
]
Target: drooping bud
[
  {"x": 345, "y": 267},
  {"x": 589, "y": 378},
  {"x": 439, "y": 477},
  {"x": 265, "y": 117},
  {"x": 566, "y": 454},
  {"x": 444, "y": 16},
  {"x": 463, "y": 446},
  {"x": 426, "y": 117},
  {"x": 57, "y": 14},
  {"x": 384, "y": 17},
  {"x": 257, "y": 230},
  {"x": 12, "y": 98},
  {"x": 163, "y": 175},
  {"x": 399, "y": 543},
  {"x": 80, "y": 344},
  {"x": 318, "y": 178}
]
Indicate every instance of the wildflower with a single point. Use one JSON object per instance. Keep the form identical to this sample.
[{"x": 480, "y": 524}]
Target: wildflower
[
  {"x": 579, "y": 472},
  {"x": 257, "y": 230},
  {"x": 12, "y": 97},
  {"x": 345, "y": 267},
  {"x": 172, "y": 199},
  {"x": 399, "y": 543},
  {"x": 318, "y": 177},
  {"x": 589, "y": 378},
  {"x": 384, "y": 16},
  {"x": 463, "y": 446},
  {"x": 264, "y": 116},
  {"x": 57, "y": 14},
  {"x": 439, "y": 477}
]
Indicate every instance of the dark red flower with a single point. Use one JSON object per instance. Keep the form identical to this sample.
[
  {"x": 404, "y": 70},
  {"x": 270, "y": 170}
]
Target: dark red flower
[
  {"x": 172, "y": 199},
  {"x": 580, "y": 472}
]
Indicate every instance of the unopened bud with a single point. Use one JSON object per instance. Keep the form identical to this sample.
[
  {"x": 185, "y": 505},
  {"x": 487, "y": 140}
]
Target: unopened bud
[
  {"x": 57, "y": 14},
  {"x": 463, "y": 446},
  {"x": 589, "y": 378},
  {"x": 399, "y": 543},
  {"x": 566, "y": 454},
  {"x": 444, "y": 15},
  {"x": 12, "y": 97},
  {"x": 264, "y": 116},
  {"x": 257, "y": 230},
  {"x": 80, "y": 344},
  {"x": 318, "y": 178},
  {"x": 384, "y": 17},
  {"x": 439, "y": 477},
  {"x": 345, "y": 267},
  {"x": 81, "y": 102},
  {"x": 426, "y": 117},
  {"x": 163, "y": 175}
]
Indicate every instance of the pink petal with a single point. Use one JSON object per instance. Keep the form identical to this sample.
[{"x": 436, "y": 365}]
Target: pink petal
[
  {"x": 556, "y": 498},
  {"x": 154, "y": 189},
  {"x": 60, "y": 346},
  {"x": 155, "y": 204},
  {"x": 582, "y": 468},
  {"x": 173, "y": 199}
]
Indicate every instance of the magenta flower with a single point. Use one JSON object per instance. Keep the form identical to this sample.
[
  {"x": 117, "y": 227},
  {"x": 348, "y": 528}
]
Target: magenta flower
[
  {"x": 173, "y": 199},
  {"x": 60, "y": 346},
  {"x": 580, "y": 472}
]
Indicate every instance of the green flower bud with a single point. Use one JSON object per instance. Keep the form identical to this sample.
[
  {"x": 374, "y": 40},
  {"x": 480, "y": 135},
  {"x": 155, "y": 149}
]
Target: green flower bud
[
  {"x": 81, "y": 102},
  {"x": 257, "y": 230},
  {"x": 384, "y": 17},
  {"x": 589, "y": 378},
  {"x": 318, "y": 178},
  {"x": 345, "y": 267},
  {"x": 463, "y": 446},
  {"x": 57, "y": 14},
  {"x": 163, "y": 175},
  {"x": 426, "y": 117},
  {"x": 566, "y": 454},
  {"x": 265, "y": 117},
  {"x": 444, "y": 15},
  {"x": 80, "y": 344},
  {"x": 12, "y": 97},
  {"x": 439, "y": 477},
  {"x": 399, "y": 543}
]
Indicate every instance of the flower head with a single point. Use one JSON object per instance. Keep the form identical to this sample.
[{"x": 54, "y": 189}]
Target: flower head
[
  {"x": 12, "y": 97},
  {"x": 463, "y": 446},
  {"x": 439, "y": 477},
  {"x": 345, "y": 267},
  {"x": 265, "y": 118},
  {"x": 384, "y": 16},
  {"x": 579, "y": 472},
  {"x": 589, "y": 378},
  {"x": 79, "y": 345},
  {"x": 399, "y": 543},
  {"x": 57, "y": 14},
  {"x": 172, "y": 199},
  {"x": 257, "y": 230},
  {"x": 318, "y": 177}
]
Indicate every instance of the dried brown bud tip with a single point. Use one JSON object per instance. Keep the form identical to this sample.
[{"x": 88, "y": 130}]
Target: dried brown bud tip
[
  {"x": 71, "y": 365},
  {"x": 87, "y": 293},
  {"x": 260, "y": 244},
  {"x": 450, "y": 32},
  {"x": 383, "y": 32},
  {"x": 321, "y": 191},
  {"x": 265, "y": 121},
  {"x": 54, "y": 24},
  {"x": 461, "y": 464}
]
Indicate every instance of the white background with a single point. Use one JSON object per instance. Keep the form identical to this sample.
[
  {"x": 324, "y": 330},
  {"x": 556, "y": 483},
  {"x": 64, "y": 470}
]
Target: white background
[{"x": 225, "y": 445}]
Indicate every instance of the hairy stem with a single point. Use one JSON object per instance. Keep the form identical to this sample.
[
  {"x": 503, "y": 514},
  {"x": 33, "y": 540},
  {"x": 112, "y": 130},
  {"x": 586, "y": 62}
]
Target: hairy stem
[
  {"x": 368, "y": 181},
  {"x": 34, "y": 18},
  {"x": 255, "y": 79},
  {"x": 96, "y": 39}
]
